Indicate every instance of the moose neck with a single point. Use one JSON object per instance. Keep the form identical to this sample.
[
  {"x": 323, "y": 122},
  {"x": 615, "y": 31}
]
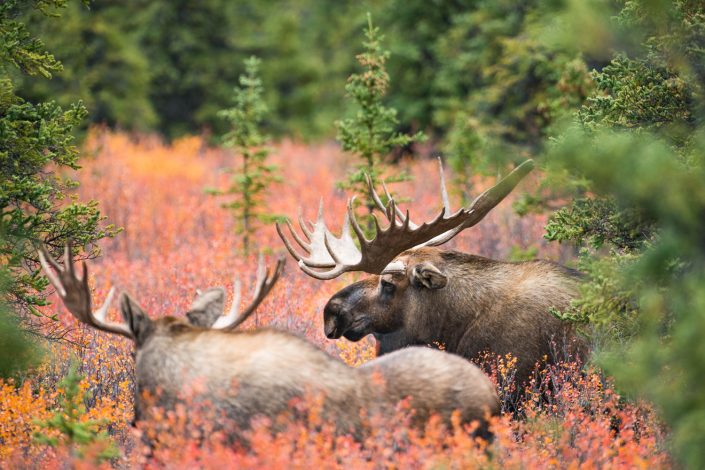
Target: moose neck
[
  {"x": 475, "y": 285},
  {"x": 389, "y": 342}
]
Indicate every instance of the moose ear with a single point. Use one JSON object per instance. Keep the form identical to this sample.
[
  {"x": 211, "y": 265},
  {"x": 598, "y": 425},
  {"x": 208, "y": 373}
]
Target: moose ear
[
  {"x": 207, "y": 307},
  {"x": 136, "y": 319},
  {"x": 427, "y": 275}
]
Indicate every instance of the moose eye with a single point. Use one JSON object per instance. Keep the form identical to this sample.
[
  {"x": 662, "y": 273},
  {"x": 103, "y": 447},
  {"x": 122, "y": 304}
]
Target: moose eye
[{"x": 388, "y": 287}]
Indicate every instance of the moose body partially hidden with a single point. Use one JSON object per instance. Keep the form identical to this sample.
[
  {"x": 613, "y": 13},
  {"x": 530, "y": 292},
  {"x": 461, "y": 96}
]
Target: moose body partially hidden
[
  {"x": 421, "y": 294},
  {"x": 468, "y": 304},
  {"x": 245, "y": 375}
]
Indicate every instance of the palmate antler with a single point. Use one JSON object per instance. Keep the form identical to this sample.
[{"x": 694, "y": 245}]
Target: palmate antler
[{"x": 329, "y": 256}]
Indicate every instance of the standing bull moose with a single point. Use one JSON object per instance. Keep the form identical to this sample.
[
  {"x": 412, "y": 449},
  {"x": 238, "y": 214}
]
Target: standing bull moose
[
  {"x": 421, "y": 294},
  {"x": 244, "y": 375}
]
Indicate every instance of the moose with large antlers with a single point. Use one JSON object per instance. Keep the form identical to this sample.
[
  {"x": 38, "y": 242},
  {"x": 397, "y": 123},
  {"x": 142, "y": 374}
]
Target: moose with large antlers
[
  {"x": 421, "y": 294},
  {"x": 244, "y": 375}
]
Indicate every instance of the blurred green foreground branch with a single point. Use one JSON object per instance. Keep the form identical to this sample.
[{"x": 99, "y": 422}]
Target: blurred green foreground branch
[{"x": 635, "y": 153}]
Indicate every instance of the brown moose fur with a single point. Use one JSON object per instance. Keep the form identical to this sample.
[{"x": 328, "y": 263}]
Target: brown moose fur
[
  {"x": 257, "y": 373},
  {"x": 436, "y": 383},
  {"x": 467, "y": 303}
]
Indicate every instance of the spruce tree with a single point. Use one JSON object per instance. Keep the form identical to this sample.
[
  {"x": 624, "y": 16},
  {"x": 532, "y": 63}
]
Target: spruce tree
[
  {"x": 69, "y": 424},
  {"x": 36, "y": 142},
  {"x": 371, "y": 133},
  {"x": 635, "y": 154},
  {"x": 254, "y": 176}
]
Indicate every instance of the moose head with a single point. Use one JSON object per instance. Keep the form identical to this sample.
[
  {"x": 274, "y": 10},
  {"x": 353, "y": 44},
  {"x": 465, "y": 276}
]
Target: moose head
[
  {"x": 407, "y": 268},
  {"x": 206, "y": 311}
]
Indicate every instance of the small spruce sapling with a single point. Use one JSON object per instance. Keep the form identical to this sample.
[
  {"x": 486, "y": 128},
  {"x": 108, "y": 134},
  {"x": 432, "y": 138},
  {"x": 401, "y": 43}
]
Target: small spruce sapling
[
  {"x": 69, "y": 425},
  {"x": 371, "y": 133},
  {"x": 250, "y": 182}
]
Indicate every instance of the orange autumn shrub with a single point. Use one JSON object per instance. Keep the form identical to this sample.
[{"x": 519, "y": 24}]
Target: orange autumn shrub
[
  {"x": 178, "y": 239},
  {"x": 20, "y": 408}
]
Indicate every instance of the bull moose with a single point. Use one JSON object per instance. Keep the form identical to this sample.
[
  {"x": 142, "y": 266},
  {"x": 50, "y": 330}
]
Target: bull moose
[
  {"x": 248, "y": 374},
  {"x": 421, "y": 294}
]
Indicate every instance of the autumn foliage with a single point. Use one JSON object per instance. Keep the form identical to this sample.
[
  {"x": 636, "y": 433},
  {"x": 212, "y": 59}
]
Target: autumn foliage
[{"x": 177, "y": 239}]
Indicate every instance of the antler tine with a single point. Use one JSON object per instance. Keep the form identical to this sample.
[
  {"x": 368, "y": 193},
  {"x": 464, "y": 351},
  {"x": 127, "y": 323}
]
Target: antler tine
[
  {"x": 444, "y": 193},
  {"x": 325, "y": 275},
  {"x": 75, "y": 293},
  {"x": 307, "y": 231},
  {"x": 407, "y": 222},
  {"x": 234, "y": 311},
  {"x": 302, "y": 223},
  {"x": 298, "y": 239},
  {"x": 485, "y": 202},
  {"x": 389, "y": 210},
  {"x": 317, "y": 255},
  {"x": 342, "y": 251},
  {"x": 45, "y": 259},
  {"x": 263, "y": 286},
  {"x": 102, "y": 312},
  {"x": 262, "y": 273},
  {"x": 330, "y": 255},
  {"x": 375, "y": 197},
  {"x": 399, "y": 214},
  {"x": 68, "y": 259},
  {"x": 288, "y": 246},
  {"x": 331, "y": 250},
  {"x": 355, "y": 225},
  {"x": 493, "y": 196}
]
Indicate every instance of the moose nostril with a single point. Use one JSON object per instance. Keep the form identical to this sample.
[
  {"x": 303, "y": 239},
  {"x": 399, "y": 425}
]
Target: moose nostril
[
  {"x": 330, "y": 330},
  {"x": 332, "y": 318}
]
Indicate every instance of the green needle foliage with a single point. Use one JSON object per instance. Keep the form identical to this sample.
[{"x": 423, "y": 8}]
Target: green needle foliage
[
  {"x": 69, "y": 426},
  {"x": 371, "y": 133},
  {"x": 17, "y": 350},
  {"x": 103, "y": 66},
  {"x": 167, "y": 65},
  {"x": 646, "y": 307},
  {"x": 254, "y": 177},
  {"x": 36, "y": 142},
  {"x": 636, "y": 150}
]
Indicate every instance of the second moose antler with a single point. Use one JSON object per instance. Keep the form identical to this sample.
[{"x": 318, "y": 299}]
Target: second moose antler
[
  {"x": 329, "y": 256},
  {"x": 202, "y": 314},
  {"x": 76, "y": 296}
]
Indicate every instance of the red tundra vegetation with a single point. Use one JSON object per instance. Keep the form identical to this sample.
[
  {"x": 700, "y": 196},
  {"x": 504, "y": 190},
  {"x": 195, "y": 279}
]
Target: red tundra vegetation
[{"x": 177, "y": 239}]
